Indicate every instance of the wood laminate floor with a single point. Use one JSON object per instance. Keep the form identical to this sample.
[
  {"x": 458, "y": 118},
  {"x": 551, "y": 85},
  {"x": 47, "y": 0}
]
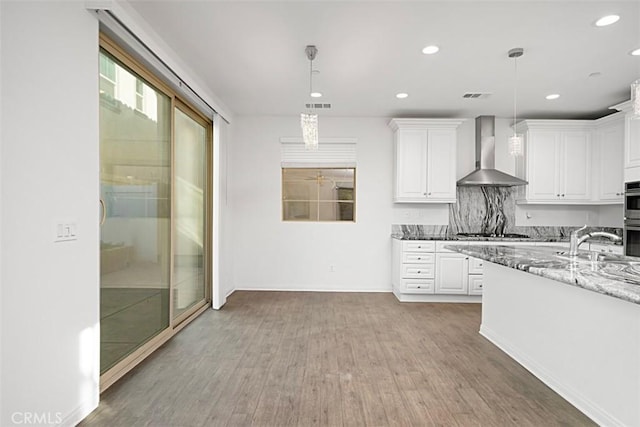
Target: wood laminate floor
[{"x": 300, "y": 358}]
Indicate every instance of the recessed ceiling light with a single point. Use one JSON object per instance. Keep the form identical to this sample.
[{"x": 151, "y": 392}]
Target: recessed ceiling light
[
  {"x": 635, "y": 52},
  {"x": 316, "y": 94},
  {"x": 429, "y": 50},
  {"x": 607, "y": 20},
  {"x": 552, "y": 96},
  {"x": 401, "y": 95}
]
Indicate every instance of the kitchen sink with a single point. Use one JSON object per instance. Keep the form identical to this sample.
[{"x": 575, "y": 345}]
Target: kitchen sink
[{"x": 590, "y": 257}]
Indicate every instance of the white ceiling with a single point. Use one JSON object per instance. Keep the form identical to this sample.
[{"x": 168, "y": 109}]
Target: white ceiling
[{"x": 251, "y": 54}]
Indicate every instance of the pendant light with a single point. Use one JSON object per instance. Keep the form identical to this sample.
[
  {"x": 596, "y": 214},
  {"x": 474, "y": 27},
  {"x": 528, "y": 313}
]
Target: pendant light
[
  {"x": 515, "y": 141},
  {"x": 635, "y": 99},
  {"x": 309, "y": 120}
]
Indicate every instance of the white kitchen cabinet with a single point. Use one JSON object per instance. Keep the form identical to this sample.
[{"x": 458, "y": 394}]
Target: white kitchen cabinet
[
  {"x": 452, "y": 273},
  {"x": 556, "y": 161},
  {"x": 609, "y": 159},
  {"x": 475, "y": 284},
  {"x": 476, "y": 265},
  {"x": 631, "y": 142},
  {"x": 425, "y": 160},
  {"x": 413, "y": 268}
]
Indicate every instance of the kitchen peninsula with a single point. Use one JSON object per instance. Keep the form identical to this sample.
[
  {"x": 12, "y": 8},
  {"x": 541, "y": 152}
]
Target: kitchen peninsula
[{"x": 573, "y": 322}]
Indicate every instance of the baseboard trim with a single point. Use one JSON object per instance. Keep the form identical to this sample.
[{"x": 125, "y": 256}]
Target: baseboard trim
[
  {"x": 276, "y": 289},
  {"x": 584, "y": 405},
  {"x": 74, "y": 417}
]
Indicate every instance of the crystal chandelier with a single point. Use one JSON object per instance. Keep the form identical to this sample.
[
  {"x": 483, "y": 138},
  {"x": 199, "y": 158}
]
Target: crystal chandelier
[
  {"x": 515, "y": 141},
  {"x": 635, "y": 99},
  {"x": 309, "y": 120}
]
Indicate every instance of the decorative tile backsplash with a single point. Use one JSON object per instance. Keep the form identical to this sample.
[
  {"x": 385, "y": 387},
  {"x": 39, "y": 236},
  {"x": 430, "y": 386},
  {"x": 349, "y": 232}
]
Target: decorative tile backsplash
[
  {"x": 486, "y": 210},
  {"x": 483, "y": 210}
]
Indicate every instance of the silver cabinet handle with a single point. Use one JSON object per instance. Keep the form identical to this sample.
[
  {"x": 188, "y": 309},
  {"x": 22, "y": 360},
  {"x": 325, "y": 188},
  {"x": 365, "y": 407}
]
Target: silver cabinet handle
[{"x": 103, "y": 217}]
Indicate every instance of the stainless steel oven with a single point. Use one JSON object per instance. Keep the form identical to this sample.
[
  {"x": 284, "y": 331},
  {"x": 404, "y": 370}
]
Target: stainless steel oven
[
  {"x": 632, "y": 219},
  {"x": 632, "y": 238}
]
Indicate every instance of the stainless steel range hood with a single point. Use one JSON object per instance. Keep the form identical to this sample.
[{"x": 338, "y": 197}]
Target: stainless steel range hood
[{"x": 486, "y": 173}]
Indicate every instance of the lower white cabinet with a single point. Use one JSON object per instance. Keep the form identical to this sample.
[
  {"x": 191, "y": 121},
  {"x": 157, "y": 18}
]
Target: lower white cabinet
[
  {"x": 424, "y": 270},
  {"x": 427, "y": 271},
  {"x": 475, "y": 283},
  {"x": 452, "y": 274}
]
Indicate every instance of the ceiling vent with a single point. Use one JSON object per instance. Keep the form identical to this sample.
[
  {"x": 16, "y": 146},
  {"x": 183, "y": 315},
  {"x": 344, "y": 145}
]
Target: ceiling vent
[
  {"x": 476, "y": 95},
  {"x": 318, "y": 106}
]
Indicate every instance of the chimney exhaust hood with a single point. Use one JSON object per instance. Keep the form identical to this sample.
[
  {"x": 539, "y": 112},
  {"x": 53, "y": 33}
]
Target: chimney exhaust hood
[{"x": 485, "y": 172}]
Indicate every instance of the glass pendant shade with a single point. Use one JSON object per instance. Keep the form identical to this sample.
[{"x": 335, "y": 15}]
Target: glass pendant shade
[
  {"x": 515, "y": 145},
  {"x": 635, "y": 99},
  {"x": 309, "y": 123}
]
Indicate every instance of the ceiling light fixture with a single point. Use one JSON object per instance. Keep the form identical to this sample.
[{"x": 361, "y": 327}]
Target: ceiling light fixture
[
  {"x": 309, "y": 120},
  {"x": 607, "y": 20},
  {"x": 635, "y": 52},
  {"x": 515, "y": 141},
  {"x": 316, "y": 94},
  {"x": 430, "y": 50},
  {"x": 635, "y": 99},
  {"x": 552, "y": 96},
  {"x": 401, "y": 95}
]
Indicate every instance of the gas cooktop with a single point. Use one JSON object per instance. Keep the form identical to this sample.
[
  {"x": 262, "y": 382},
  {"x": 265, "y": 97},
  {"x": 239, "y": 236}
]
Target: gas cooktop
[{"x": 497, "y": 236}]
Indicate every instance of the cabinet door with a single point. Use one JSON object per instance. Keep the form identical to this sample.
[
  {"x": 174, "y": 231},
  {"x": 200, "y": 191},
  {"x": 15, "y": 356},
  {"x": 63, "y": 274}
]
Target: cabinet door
[
  {"x": 475, "y": 284},
  {"x": 452, "y": 273},
  {"x": 411, "y": 164},
  {"x": 543, "y": 165},
  {"x": 632, "y": 143},
  {"x": 441, "y": 161},
  {"x": 611, "y": 160},
  {"x": 575, "y": 167}
]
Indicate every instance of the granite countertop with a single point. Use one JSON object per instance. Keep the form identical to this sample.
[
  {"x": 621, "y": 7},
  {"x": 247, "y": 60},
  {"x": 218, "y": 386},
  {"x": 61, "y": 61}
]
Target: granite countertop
[
  {"x": 480, "y": 239},
  {"x": 616, "y": 275}
]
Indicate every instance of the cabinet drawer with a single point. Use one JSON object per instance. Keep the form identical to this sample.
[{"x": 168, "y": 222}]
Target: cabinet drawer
[
  {"x": 418, "y": 246},
  {"x": 417, "y": 286},
  {"x": 475, "y": 285},
  {"x": 475, "y": 265},
  {"x": 418, "y": 258},
  {"x": 417, "y": 271}
]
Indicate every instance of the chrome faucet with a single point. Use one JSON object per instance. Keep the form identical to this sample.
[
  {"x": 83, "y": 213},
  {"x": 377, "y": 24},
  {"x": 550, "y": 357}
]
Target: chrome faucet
[{"x": 577, "y": 241}]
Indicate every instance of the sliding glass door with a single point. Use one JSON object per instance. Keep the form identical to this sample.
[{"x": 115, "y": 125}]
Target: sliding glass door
[
  {"x": 135, "y": 182},
  {"x": 191, "y": 136},
  {"x": 154, "y": 193}
]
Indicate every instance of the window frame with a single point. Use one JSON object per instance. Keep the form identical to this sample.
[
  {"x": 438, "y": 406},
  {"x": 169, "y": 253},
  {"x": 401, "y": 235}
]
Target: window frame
[{"x": 317, "y": 200}]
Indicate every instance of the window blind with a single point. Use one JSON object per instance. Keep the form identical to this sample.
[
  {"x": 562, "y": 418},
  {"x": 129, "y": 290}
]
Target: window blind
[{"x": 331, "y": 152}]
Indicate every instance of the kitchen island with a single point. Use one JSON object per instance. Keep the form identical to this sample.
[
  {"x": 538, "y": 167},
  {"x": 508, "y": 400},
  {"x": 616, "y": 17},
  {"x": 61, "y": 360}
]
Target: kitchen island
[{"x": 572, "y": 322}]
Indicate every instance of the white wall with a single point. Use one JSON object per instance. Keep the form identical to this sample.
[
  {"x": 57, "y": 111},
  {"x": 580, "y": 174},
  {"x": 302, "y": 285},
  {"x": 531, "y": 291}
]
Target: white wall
[
  {"x": 49, "y": 171},
  {"x": 272, "y": 254},
  {"x": 225, "y": 232}
]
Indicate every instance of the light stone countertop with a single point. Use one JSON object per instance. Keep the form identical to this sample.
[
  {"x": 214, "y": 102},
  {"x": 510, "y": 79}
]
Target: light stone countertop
[{"x": 615, "y": 275}]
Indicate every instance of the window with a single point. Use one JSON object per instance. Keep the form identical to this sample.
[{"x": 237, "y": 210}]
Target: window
[
  {"x": 139, "y": 95},
  {"x": 107, "y": 77},
  {"x": 318, "y": 194}
]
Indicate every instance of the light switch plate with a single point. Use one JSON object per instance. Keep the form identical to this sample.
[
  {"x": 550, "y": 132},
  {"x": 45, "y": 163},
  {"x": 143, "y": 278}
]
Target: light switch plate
[{"x": 65, "y": 231}]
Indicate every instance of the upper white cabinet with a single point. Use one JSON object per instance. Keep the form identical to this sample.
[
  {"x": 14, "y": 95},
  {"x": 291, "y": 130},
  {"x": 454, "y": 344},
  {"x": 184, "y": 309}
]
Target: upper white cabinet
[
  {"x": 556, "y": 161},
  {"x": 425, "y": 160},
  {"x": 631, "y": 143},
  {"x": 609, "y": 159}
]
